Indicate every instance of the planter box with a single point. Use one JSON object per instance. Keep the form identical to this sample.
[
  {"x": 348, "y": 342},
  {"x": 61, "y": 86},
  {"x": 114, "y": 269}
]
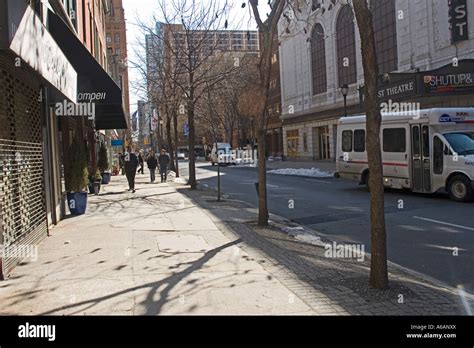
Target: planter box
[
  {"x": 92, "y": 187},
  {"x": 77, "y": 202},
  {"x": 105, "y": 177}
]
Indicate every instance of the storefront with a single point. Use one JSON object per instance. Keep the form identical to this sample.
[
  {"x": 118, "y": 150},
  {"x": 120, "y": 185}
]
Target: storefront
[{"x": 33, "y": 73}]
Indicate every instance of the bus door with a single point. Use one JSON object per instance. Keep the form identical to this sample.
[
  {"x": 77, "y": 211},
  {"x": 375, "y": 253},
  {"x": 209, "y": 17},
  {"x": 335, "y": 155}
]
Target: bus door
[{"x": 421, "y": 160}]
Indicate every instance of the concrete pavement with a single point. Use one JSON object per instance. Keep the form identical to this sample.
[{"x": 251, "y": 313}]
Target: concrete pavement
[{"x": 152, "y": 252}]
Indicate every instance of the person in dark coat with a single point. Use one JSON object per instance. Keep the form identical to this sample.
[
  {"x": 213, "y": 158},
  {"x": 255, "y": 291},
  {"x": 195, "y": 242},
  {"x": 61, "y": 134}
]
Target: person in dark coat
[
  {"x": 152, "y": 163},
  {"x": 121, "y": 163},
  {"x": 141, "y": 163},
  {"x": 130, "y": 164},
  {"x": 163, "y": 160}
]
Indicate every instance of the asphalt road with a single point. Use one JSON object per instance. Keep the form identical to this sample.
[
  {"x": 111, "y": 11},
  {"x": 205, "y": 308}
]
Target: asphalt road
[{"x": 422, "y": 235}]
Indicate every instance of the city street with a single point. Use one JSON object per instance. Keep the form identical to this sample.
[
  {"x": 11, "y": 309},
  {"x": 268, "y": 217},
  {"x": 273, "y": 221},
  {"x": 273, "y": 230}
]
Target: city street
[{"x": 421, "y": 236}]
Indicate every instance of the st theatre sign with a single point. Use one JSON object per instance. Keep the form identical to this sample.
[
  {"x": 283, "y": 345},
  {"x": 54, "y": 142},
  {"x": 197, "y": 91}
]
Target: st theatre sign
[{"x": 458, "y": 20}]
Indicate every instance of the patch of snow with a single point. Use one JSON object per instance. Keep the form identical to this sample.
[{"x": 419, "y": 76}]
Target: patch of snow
[
  {"x": 299, "y": 234},
  {"x": 180, "y": 180},
  {"x": 248, "y": 165},
  {"x": 310, "y": 172}
]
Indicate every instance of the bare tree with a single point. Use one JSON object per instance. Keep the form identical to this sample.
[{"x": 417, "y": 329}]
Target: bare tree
[
  {"x": 378, "y": 262},
  {"x": 190, "y": 41},
  {"x": 268, "y": 28}
]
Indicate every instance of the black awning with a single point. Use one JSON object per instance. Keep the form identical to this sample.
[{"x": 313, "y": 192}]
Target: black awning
[{"x": 93, "y": 82}]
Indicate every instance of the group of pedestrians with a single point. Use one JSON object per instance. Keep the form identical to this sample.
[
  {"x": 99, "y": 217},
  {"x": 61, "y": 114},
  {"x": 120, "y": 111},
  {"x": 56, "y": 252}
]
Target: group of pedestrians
[{"x": 130, "y": 161}]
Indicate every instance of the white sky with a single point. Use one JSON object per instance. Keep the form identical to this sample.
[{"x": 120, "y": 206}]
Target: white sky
[{"x": 145, "y": 9}]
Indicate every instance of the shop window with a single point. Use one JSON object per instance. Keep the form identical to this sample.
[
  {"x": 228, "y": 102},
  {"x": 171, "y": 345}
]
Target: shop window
[
  {"x": 359, "y": 140},
  {"x": 394, "y": 140}
]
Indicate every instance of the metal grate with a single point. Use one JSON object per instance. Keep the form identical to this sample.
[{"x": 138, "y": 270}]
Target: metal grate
[{"x": 22, "y": 191}]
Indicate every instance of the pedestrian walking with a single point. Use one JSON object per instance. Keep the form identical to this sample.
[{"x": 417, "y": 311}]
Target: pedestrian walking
[
  {"x": 140, "y": 162},
  {"x": 163, "y": 160},
  {"x": 152, "y": 163},
  {"x": 122, "y": 163},
  {"x": 130, "y": 164}
]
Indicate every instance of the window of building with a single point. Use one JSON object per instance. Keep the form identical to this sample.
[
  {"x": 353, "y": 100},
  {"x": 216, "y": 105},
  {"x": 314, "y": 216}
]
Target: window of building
[
  {"x": 347, "y": 141},
  {"x": 97, "y": 54},
  {"x": 385, "y": 30},
  {"x": 109, "y": 39},
  {"x": 318, "y": 60},
  {"x": 91, "y": 34},
  {"x": 112, "y": 11},
  {"x": 117, "y": 38},
  {"x": 117, "y": 51},
  {"x": 359, "y": 140},
  {"x": 292, "y": 138},
  {"x": 346, "y": 48},
  {"x": 84, "y": 34},
  {"x": 394, "y": 140}
]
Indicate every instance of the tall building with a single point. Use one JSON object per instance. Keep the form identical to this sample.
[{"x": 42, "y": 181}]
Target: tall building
[
  {"x": 226, "y": 43},
  {"x": 116, "y": 42},
  {"x": 422, "y": 58}
]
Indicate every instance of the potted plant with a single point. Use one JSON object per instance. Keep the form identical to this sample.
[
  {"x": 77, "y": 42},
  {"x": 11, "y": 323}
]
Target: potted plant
[
  {"x": 76, "y": 179},
  {"x": 95, "y": 180},
  {"x": 103, "y": 164}
]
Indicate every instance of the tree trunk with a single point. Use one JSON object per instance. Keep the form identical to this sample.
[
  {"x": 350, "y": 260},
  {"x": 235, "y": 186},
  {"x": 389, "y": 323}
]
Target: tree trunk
[
  {"x": 378, "y": 262},
  {"x": 170, "y": 143},
  {"x": 192, "y": 155},
  {"x": 176, "y": 141},
  {"x": 262, "y": 180}
]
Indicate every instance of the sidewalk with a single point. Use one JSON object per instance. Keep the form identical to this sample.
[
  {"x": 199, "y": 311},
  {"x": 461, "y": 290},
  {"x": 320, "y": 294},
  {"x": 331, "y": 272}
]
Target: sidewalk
[{"x": 152, "y": 252}]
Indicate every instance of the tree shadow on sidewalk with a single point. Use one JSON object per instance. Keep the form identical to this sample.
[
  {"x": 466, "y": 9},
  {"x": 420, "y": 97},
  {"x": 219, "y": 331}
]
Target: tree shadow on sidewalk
[{"x": 153, "y": 307}]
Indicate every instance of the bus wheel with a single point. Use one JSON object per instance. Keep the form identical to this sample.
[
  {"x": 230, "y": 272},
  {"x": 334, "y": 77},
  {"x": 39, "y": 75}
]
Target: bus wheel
[
  {"x": 366, "y": 181},
  {"x": 459, "y": 189}
]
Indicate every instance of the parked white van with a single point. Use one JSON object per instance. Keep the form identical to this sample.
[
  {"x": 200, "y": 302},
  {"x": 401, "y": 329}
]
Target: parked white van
[{"x": 429, "y": 152}]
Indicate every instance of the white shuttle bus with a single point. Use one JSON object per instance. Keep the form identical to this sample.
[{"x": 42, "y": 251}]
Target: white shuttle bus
[{"x": 428, "y": 152}]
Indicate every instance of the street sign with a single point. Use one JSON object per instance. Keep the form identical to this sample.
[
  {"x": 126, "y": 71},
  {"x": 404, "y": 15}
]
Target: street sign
[
  {"x": 186, "y": 129},
  {"x": 117, "y": 143}
]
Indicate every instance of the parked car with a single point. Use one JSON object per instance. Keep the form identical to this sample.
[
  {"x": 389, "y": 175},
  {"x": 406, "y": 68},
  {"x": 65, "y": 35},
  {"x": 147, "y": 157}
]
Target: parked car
[
  {"x": 222, "y": 154},
  {"x": 181, "y": 155}
]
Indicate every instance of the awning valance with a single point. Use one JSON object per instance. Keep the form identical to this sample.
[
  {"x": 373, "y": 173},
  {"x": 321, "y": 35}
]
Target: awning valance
[{"x": 93, "y": 82}]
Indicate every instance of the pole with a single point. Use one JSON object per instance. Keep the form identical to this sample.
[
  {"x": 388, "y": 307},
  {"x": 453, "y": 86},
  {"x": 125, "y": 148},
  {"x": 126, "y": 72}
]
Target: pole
[{"x": 345, "y": 106}]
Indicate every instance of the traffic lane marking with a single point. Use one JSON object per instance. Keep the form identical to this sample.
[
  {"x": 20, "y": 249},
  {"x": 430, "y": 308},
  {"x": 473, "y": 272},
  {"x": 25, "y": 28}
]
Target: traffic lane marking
[{"x": 444, "y": 223}]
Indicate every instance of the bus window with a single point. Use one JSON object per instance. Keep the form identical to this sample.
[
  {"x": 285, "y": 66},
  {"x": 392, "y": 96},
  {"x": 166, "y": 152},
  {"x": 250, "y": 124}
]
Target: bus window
[
  {"x": 426, "y": 141},
  {"x": 438, "y": 148},
  {"x": 347, "y": 141},
  {"x": 359, "y": 140},
  {"x": 394, "y": 140}
]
